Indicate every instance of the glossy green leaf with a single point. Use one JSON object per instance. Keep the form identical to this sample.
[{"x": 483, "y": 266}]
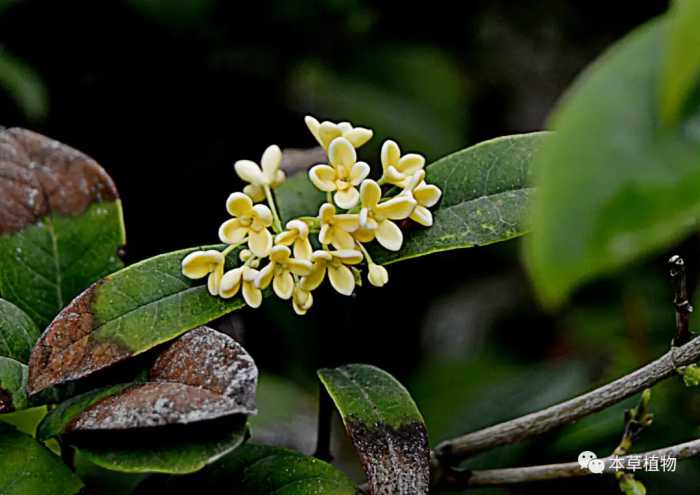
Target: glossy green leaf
[
  {"x": 13, "y": 380},
  {"x": 178, "y": 449},
  {"x": 60, "y": 223},
  {"x": 29, "y": 468},
  {"x": 126, "y": 313},
  {"x": 18, "y": 332},
  {"x": 681, "y": 67},
  {"x": 485, "y": 195},
  {"x": 298, "y": 197},
  {"x": 384, "y": 425},
  {"x": 611, "y": 186},
  {"x": 259, "y": 470},
  {"x": 57, "y": 421}
]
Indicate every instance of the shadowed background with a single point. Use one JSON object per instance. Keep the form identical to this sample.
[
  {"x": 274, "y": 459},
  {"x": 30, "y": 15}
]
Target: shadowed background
[{"x": 167, "y": 94}]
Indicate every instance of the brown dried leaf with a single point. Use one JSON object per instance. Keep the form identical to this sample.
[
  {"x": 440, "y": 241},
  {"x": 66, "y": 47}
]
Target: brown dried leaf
[
  {"x": 39, "y": 176},
  {"x": 203, "y": 375}
]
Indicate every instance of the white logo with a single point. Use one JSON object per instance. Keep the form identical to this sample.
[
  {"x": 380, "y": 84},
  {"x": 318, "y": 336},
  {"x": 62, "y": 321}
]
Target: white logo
[
  {"x": 596, "y": 466},
  {"x": 585, "y": 457}
]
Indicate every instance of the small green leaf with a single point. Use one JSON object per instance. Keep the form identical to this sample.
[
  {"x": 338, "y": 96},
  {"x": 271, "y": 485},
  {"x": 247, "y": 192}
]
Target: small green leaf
[
  {"x": 18, "y": 332},
  {"x": 611, "y": 186},
  {"x": 61, "y": 223},
  {"x": 681, "y": 66},
  {"x": 13, "y": 380},
  {"x": 178, "y": 449},
  {"x": 259, "y": 470},
  {"x": 384, "y": 425},
  {"x": 485, "y": 194},
  {"x": 690, "y": 374},
  {"x": 123, "y": 315},
  {"x": 630, "y": 486},
  {"x": 29, "y": 468}
]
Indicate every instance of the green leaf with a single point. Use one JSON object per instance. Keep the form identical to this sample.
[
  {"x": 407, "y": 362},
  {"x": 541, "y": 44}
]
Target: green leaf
[
  {"x": 259, "y": 470},
  {"x": 60, "y": 223},
  {"x": 123, "y": 315},
  {"x": 298, "y": 197},
  {"x": 681, "y": 66},
  {"x": 29, "y": 468},
  {"x": 13, "y": 380},
  {"x": 485, "y": 197},
  {"x": 611, "y": 186},
  {"x": 178, "y": 449},
  {"x": 18, "y": 332},
  {"x": 384, "y": 425}
]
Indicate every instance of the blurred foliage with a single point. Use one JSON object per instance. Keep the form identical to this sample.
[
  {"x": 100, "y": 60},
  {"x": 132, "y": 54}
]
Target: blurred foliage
[{"x": 23, "y": 83}]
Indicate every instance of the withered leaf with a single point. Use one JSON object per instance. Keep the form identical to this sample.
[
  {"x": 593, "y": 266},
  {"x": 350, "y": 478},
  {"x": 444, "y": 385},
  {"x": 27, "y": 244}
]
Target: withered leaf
[
  {"x": 60, "y": 223},
  {"x": 385, "y": 427},
  {"x": 202, "y": 376}
]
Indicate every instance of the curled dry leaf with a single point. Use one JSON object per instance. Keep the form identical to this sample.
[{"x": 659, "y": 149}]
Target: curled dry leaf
[{"x": 203, "y": 375}]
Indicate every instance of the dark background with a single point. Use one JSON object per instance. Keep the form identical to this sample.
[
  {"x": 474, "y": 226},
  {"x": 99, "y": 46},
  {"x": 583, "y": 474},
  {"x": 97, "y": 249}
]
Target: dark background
[{"x": 167, "y": 94}]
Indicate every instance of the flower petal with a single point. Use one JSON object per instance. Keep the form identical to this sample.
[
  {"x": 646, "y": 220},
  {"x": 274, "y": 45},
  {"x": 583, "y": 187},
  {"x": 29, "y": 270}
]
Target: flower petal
[
  {"x": 347, "y": 199},
  {"x": 370, "y": 193},
  {"x": 358, "y": 136},
  {"x": 283, "y": 285},
  {"x": 301, "y": 227},
  {"x": 427, "y": 194},
  {"x": 314, "y": 126},
  {"x": 323, "y": 177},
  {"x": 302, "y": 248},
  {"x": 391, "y": 153},
  {"x": 256, "y": 193},
  {"x": 239, "y": 204},
  {"x": 286, "y": 238},
  {"x": 314, "y": 279},
  {"x": 326, "y": 213},
  {"x": 252, "y": 295},
  {"x": 262, "y": 215},
  {"x": 327, "y": 132},
  {"x": 270, "y": 162},
  {"x": 250, "y": 172},
  {"x": 364, "y": 235},
  {"x": 396, "y": 208},
  {"x": 214, "y": 280},
  {"x": 410, "y": 163},
  {"x": 349, "y": 222},
  {"x": 260, "y": 242},
  {"x": 348, "y": 256},
  {"x": 280, "y": 254},
  {"x": 389, "y": 235},
  {"x": 230, "y": 283},
  {"x": 342, "y": 279},
  {"x": 265, "y": 276},
  {"x": 200, "y": 263},
  {"x": 422, "y": 216},
  {"x": 341, "y": 153},
  {"x": 358, "y": 173},
  {"x": 325, "y": 236},
  {"x": 231, "y": 231},
  {"x": 302, "y": 300},
  {"x": 299, "y": 266},
  {"x": 341, "y": 239}
]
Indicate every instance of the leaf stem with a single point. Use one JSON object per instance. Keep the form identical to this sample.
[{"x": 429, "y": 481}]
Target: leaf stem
[
  {"x": 365, "y": 253},
  {"x": 276, "y": 222}
]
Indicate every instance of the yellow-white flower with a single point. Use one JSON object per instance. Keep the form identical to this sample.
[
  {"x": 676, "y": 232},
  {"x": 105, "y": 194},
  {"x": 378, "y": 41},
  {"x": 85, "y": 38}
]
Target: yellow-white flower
[
  {"x": 249, "y": 222},
  {"x": 202, "y": 263},
  {"x": 267, "y": 174},
  {"x": 335, "y": 264},
  {"x": 302, "y": 300},
  {"x": 426, "y": 195},
  {"x": 279, "y": 271},
  {"x": 327, "y": 131},
  {"x": 376, "y": 218},
  {"x": 342, "y": 175},
  {"x": 398, "y": 169},
  {"x": 242, "y": 277},
  {"x": 336, "y": 227},
  {"x": 297, "y": 234},
  {"x": 377, "y": 275}
]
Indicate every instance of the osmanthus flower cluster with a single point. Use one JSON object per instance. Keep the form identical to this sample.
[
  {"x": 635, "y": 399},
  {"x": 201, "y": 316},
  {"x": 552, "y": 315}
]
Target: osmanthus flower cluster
[{"x": 296, "y": 258}]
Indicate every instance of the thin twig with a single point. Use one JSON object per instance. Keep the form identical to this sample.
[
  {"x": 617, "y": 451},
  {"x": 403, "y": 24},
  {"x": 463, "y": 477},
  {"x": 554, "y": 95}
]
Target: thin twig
[
  {"x": 680, "y": 299},
  {"x": 323, "y": 438},
  {"x": 450, "y": 452},
  {"x": 509, "y": 476}
]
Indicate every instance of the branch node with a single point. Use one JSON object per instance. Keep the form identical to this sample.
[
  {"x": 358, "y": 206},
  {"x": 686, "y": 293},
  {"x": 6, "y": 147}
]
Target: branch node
[{"x": 681, "y": 301}]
